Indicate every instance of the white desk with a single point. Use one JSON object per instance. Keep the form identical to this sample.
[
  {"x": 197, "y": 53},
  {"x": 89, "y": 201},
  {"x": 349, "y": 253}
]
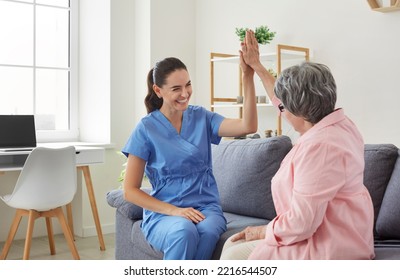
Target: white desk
[{"x": 85, "y": 156}]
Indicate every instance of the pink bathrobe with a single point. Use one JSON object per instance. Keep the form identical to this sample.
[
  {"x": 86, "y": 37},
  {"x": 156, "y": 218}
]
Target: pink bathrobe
[{"x": 323, "y": 209}]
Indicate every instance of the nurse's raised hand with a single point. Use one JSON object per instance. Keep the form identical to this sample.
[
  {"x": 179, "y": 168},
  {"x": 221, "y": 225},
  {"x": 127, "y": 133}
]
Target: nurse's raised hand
[{"x": 190, "y": 214}]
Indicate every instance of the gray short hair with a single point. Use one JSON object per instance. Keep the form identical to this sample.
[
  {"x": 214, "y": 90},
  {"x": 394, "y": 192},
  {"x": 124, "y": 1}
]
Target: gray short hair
[{"x": 307, "y": 90}]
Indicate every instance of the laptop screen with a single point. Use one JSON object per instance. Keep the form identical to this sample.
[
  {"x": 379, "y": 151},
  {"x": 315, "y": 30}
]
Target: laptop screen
[{"x": 17, "y": 131}]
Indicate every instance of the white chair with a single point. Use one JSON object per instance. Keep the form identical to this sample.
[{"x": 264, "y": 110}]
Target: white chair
[{"x": 46, "y": 183}]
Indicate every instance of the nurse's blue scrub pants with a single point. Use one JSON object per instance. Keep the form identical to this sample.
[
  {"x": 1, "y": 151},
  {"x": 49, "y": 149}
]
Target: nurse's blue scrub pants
[{"x": 181, "y": 239}]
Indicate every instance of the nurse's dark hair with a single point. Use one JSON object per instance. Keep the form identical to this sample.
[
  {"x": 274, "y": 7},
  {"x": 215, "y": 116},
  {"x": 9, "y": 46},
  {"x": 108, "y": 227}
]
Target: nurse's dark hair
[
  {"x": 307, "y": 90},
  {"x": 158, "y": 76}
]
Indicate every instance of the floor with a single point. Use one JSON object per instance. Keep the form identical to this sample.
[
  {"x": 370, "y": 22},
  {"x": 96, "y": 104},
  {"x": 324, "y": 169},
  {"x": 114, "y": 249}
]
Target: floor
[{"x": 88, "y": 248}]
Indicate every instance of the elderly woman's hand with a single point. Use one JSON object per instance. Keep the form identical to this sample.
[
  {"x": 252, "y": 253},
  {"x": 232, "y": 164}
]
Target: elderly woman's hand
[
  {"x": 250, "y": 52},
  {"x": 250, "y": 233}
]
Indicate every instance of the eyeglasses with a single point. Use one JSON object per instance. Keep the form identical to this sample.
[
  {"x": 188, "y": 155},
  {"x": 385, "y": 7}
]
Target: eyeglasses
[{"x": 281, "y": 107}]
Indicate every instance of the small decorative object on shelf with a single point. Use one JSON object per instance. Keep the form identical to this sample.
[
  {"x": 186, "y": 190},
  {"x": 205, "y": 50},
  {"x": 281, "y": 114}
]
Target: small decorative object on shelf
[
  {"x": 268, "y": 133},
  {"x": 240, "y": 137},
  {"x": 262, "y": 34},
  {"x": 380, "y": 6},
  {"x": 261, "y": 99}
]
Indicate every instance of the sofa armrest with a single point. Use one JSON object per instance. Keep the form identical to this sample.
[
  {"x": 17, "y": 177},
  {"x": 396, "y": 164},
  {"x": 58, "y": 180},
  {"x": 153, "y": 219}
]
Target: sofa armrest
[{"x": 115, "y": 198}]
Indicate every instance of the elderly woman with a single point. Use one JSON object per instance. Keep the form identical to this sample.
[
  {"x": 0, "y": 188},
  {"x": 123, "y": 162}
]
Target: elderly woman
[{"x": 324, "y": 211}]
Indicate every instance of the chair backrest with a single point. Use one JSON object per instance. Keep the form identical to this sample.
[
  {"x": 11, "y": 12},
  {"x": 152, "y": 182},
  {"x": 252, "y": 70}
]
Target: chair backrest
[{"x": 47, "y": 180}]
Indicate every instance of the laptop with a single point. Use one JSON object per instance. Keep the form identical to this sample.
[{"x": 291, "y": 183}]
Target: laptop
[{"x": 17, "y": 133}]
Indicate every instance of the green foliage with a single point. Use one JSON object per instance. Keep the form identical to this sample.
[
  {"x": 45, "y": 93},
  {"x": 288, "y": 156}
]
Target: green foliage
[
  {"x": 122, "y": 174},
  {"x": 262, "y": 34},
  {"x": 273, "y": 73},
  {"x": 121, "y": 177}
]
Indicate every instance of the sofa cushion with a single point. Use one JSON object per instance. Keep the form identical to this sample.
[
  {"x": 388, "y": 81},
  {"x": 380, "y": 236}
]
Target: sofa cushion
[
  {"x": 235, "y": 224},
  {"x": 388, "y": 221},
  {"x": 143, "y": 249},
  {"x": 387, "y": 253},
  {"x": 379, "y": 163},
  {"x": 115, "y": 198},
  {"x": 243, "y": 170}
]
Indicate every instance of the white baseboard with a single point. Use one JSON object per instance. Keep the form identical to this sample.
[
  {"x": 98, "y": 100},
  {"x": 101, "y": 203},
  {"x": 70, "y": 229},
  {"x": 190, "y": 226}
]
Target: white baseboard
[{"x": 91, "y": 231}]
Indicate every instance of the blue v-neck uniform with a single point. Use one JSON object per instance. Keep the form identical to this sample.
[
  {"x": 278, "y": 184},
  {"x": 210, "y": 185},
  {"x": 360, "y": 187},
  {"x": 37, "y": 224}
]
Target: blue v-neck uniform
[{"x": 179, "y": 168}]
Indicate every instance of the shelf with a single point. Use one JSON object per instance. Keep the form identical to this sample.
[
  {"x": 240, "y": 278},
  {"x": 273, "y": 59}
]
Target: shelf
[
  {"x": 236, "y": 105},
  {"x": 375, "y": 6},
  {"x": 271, "y": 57},
  {"x": 387, "y": 9}
]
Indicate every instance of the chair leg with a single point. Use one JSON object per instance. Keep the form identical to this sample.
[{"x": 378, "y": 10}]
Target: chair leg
[
  {"x": 33, "y": 215},
  {"x": 67, "y": 232},
  {"x": 50, "y": 235},
  {"x": 70, "y": 218},
  {"x": 11, "y": 234}
]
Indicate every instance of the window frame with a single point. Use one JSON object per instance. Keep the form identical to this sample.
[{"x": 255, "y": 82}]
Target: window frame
[{"x": 72, "y": 134}]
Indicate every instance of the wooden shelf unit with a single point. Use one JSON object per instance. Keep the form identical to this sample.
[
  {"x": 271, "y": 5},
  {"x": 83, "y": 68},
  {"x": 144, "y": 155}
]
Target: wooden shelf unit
[{"x": 283, "y": 53}]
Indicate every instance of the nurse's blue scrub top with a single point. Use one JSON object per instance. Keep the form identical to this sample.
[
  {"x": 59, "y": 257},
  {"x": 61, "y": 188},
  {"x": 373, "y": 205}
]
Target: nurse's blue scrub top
[{"x": 178, "y": 166}]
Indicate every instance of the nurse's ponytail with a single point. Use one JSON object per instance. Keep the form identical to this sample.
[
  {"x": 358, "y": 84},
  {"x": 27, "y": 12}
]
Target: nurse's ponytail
[
  {"x": 158, "y": 76},
  {"x": 152, "y": 101}
]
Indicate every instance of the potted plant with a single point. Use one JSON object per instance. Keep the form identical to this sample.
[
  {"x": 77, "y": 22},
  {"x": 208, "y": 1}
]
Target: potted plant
[
  {"x": 262, "y": 34},
  {"x": 121, "y": 177}
]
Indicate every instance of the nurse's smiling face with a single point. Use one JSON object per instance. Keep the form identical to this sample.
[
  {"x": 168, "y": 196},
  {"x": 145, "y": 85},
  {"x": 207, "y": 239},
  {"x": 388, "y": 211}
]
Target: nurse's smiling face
[{"x": 176, "y": 91}]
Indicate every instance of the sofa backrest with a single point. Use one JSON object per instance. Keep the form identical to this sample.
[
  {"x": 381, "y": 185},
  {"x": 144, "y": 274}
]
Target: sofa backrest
[
  {"x": 388, "y": 220},
  {"x": 379, "y": 163},
  {"x": 243, "y": 170}
]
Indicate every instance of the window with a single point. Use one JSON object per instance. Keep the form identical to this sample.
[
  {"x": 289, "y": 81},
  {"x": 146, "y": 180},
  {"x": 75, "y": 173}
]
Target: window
[{"x": 38, "y": 64}]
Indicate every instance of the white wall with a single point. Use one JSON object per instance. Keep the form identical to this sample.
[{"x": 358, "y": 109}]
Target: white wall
[
  {"x": 172, "y": 31},
  {"x": 162, "y": 29},
  {"x": 94, "y": 81},
  {"x": 142, "y": 56}
]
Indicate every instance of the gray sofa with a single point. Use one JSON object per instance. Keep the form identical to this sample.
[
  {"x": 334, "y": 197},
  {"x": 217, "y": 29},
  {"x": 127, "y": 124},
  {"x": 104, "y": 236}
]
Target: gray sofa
[{"x": 243, "y": 170}]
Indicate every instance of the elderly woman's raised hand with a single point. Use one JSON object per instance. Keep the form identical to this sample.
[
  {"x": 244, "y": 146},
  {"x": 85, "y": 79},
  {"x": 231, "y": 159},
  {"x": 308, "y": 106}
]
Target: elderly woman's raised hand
[
  {"x": 248, "y": 52},
  {"x": 249, "y": 49}
]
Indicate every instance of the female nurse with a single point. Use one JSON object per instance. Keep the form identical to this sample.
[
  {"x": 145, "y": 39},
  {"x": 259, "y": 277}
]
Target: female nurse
[{"x": 172, "y": 145}]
